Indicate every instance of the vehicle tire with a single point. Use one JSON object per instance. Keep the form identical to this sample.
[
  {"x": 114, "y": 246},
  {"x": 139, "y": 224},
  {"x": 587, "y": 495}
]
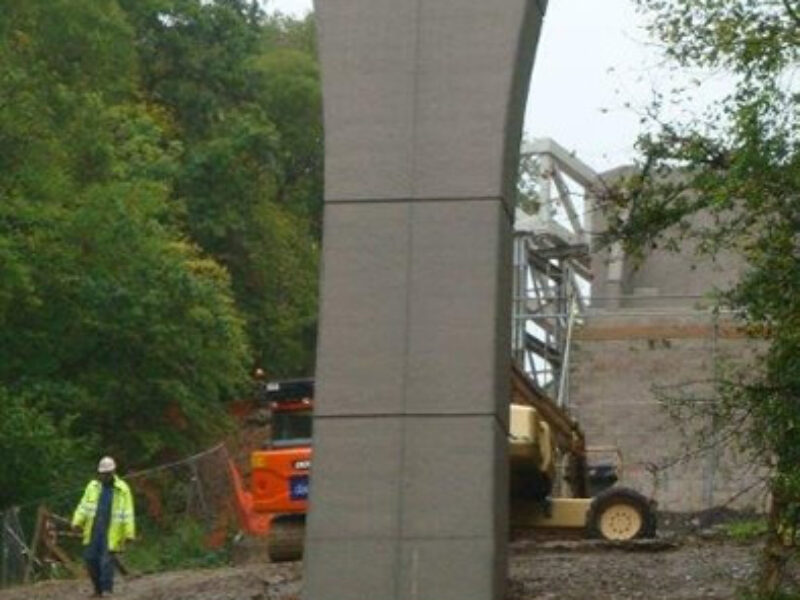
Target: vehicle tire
[
  {"x": 285, "y": 539},
  {"x": 620, "y": 514}
]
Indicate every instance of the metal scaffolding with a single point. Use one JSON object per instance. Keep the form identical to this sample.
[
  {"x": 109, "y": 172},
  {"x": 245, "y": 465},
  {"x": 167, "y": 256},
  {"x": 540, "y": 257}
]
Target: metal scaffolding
[{"x": 552, "y": 267}]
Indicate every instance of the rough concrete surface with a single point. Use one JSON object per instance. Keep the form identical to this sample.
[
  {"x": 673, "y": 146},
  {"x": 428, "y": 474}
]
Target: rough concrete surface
[
  {"x": 414, "y": 296},
  {"x": 423, "y": 108},
  {"x": 423, "y": 103},
  {"x": 424, "y": 99}
]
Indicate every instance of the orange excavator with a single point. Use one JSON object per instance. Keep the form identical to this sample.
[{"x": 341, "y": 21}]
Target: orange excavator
[
  {"x": 553, "y": 488},
  {"x": 277, "y": 502}
]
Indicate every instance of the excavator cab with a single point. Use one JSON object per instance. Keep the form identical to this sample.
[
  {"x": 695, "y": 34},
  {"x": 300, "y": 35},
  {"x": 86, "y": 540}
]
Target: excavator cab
[{"x": 279, "y": 472}]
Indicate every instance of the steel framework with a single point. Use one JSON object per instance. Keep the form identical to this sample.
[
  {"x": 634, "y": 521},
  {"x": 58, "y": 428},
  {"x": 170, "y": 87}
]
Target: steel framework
[{"x": 551, "y": 266}]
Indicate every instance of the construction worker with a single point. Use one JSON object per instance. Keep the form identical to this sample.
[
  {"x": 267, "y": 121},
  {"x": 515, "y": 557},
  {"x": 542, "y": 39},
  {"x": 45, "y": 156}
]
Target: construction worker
[
  {"x": 105, "y": 517},
  {"x": 260, "y": 379}
]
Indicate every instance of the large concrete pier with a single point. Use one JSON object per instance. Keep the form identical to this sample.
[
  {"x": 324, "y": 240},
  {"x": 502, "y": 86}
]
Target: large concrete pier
[{"x": 423, "y": 107}]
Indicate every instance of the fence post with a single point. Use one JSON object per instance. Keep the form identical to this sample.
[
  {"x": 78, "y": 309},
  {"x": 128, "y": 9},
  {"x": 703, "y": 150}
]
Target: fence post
[
  {"x": 34, "y": 543},
  {"x": 198, "y": 485},
  {"x": 4, "y": 556}
]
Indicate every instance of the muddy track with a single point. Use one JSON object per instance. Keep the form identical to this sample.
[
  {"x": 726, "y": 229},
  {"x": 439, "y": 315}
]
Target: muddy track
[{"x": 688, "y": 569}]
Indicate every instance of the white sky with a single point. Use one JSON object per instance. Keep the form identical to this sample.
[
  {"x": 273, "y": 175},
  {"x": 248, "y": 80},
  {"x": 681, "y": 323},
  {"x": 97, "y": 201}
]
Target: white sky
[{"x": 592, "y": 61}]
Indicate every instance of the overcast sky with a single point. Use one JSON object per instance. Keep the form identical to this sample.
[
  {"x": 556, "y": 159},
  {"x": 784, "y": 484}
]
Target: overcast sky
[{"x": 592, "y": 61}]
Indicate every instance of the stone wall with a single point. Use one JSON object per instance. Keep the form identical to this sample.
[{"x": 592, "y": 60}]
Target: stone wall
[{"x": 620, "y": 361}]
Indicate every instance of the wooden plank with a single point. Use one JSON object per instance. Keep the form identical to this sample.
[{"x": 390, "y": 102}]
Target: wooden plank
[{"x": 63, "y": 557}]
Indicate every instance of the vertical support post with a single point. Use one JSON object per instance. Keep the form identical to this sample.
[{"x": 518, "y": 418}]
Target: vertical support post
[
  {"x": 712, "y": 458},
  {"x": 520, "y": 302},
  {"x": 546, "y": 208},
  {"x": 198, "y": 485},
  {"x": 423, "y": 104},
  {"x": 37, "y": 533},
  {"x": 3, "y": 552}
]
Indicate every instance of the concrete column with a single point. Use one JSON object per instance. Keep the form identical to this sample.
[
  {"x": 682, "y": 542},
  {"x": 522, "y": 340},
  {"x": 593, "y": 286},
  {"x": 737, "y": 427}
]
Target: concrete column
[{"x": 423, "y": 107}]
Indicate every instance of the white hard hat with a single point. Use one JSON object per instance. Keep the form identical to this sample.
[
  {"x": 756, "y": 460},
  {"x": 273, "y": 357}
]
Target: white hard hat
[{"x": 106, "y": 465}]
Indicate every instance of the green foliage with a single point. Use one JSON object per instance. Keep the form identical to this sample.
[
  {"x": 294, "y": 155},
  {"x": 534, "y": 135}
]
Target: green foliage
[
  {"x": 180, "y": 546},
  {"x": 746, "y": 531},
  {"x": 738, "y": 168},
  {"x": 37, "y": 450},
  {"x": 286, "y": 81},
  {"x": 244, "y": 90},
  {"x": 79, "y": 45},
  {"x": 742, "y": 36},
  {"x": 160, "y": 200},
  {"x": 528, "y": 184}
]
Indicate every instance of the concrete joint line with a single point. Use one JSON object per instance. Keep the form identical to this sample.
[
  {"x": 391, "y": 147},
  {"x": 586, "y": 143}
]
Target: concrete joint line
[
  {"x": 414, "y": 200},
  {"x": 416, "y": 415},
  {"x": 440, "y": 415},
  {"x": 507, "y": 208}
]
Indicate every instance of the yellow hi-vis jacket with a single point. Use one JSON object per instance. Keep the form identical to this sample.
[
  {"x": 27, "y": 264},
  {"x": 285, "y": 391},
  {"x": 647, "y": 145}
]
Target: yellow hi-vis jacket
[{"x": 121, "y": 525}]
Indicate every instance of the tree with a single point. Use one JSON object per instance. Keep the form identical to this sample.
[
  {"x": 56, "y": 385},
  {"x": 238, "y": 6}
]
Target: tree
[
  {"x": 739, "y": 165},
  {"x": 269, "y": 250},
  {"x": 245, "y": 94},
  {"x": 286, "y": 78},
  {"x": 39, "y": 455},
  {"x": 192, "y": 57},
  {"x": 160, "y": 201},
  {"x": 117, "y": 334}
]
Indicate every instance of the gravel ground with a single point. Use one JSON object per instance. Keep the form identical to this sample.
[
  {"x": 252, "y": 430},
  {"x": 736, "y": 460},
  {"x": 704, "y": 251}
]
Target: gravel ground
[{"x": 689, "y": 569}]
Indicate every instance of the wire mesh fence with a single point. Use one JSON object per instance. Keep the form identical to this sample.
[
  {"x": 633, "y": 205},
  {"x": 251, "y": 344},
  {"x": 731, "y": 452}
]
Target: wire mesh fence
[
  {"x": 13, "y": 550},
  {"x": 184, "y": 517}
]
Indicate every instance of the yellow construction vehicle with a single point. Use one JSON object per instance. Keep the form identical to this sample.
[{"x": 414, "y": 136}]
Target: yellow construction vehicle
[{"x": 551, "y": 480}]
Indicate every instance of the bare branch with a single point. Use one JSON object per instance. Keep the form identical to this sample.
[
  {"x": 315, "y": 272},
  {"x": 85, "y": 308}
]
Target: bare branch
[{"x": 793, "y": 12}]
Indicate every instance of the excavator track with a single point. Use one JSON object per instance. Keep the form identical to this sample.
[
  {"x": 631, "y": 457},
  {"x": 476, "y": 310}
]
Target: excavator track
[{"x": 285, "y": 539}]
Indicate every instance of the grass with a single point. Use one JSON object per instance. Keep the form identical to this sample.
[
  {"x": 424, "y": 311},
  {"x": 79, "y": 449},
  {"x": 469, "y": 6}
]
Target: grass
[
  {"x": 182, "y": 546},
  {"x": 746, "y": 530}
]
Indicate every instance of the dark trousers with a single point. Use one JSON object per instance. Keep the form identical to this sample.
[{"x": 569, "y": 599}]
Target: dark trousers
[{"x": 100, "y": 565}]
